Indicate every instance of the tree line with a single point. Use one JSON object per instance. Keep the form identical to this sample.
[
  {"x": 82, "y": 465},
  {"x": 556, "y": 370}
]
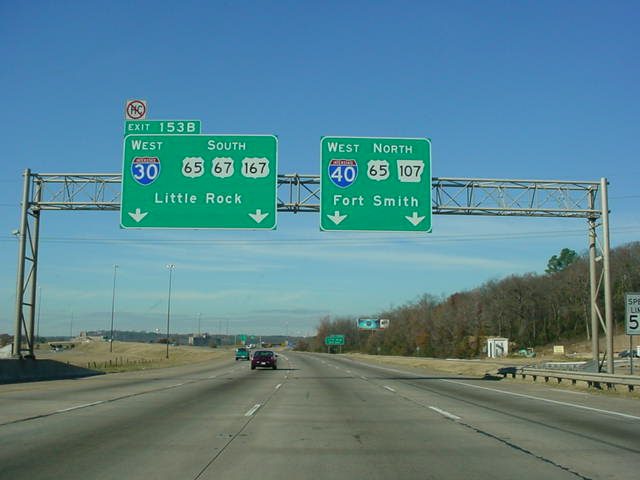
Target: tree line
[{"x": 530, "y": 309}]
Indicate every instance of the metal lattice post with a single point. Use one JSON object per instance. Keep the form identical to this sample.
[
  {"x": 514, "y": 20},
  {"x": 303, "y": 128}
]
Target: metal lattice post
[
  {"x": 606, "y": 266},
  {"x": 34, "y": 239},
  {"x": 22, "y": 237},
  {"x": 593, "y": 290}
]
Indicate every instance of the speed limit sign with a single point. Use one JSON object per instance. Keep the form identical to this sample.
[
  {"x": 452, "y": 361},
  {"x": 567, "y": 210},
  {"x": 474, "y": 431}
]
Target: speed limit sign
[{"x": 632, "y": 313}]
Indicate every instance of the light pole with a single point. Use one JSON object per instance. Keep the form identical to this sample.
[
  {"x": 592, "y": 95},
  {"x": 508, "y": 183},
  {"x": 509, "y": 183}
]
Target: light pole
[
  {"x": 199, "y": 316},
  {"x": 113, "y": 305},
  {"x": 170, "y": 266}
]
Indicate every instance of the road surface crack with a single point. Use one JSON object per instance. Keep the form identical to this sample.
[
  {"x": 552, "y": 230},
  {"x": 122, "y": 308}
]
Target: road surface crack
[
  {"x": 522, "y": 450},
  {"x": 239, "y": 433}
]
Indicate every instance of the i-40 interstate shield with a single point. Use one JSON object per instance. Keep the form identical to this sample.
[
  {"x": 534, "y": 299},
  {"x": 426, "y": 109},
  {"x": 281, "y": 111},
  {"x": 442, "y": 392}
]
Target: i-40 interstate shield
[
  {"x": 199, "y": 181},
  {"x": 375, "y": 184}
]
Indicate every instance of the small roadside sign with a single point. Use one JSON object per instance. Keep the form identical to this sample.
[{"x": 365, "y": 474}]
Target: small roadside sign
[
  {"x": 135, "y": 109},
  {"x": 632, "y": 313}
]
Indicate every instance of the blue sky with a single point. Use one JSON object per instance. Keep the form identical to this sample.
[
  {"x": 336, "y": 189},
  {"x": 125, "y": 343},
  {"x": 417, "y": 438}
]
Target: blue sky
[{"x": 534, "y": 90}]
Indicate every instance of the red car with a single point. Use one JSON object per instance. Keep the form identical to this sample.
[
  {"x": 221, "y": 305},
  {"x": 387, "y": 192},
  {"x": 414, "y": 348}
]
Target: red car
[{"x": 264, "y": 358}]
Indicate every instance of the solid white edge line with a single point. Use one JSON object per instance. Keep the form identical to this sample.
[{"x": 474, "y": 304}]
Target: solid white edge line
[
  {"x": 253, "y": 410},
  {"x": 556, "y": 402},
  {"x": 80, "y": 406},
  {"x": 389, "y": 388},
  {"x": 445, "y": 413}
]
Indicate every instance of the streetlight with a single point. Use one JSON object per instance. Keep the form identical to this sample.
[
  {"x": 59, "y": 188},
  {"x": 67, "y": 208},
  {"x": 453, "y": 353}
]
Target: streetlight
[
  {"x": 170, "y": 266},
  {"x": 113, "y": 304}
]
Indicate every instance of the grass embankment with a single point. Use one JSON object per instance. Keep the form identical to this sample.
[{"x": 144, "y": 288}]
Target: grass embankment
[
  {"x": 474, "y": 368},
  {"x": 574, "y": 351},
  {"x": 128, "y": 356}
]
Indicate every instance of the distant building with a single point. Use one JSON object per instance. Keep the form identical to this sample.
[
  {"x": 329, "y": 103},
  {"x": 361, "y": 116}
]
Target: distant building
[
  {"x": 497, "y": 347},
  {"x": 84, "y": 338},
  {"x": 199, "y": 340}
]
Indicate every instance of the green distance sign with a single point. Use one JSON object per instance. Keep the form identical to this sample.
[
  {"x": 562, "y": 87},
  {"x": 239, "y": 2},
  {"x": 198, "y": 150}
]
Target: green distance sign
[
  {"x": 173, "y": 127},
  {"x": 199, "y": 181},
  {"x": 334, "y": 340},
  {"x": 375, "y": 184}
]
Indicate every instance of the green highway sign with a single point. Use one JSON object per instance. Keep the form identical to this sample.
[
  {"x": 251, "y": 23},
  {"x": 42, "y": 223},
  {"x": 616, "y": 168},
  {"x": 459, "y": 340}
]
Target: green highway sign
[
  {"x": 369, "y": 323},
  {"x": 375, "y": 184},
  {"x": 372, "y": 323},
  {"x": 173, "y": 127},
  {"x": 199, "y": 181},
  {"x": 334, "y": 340}
]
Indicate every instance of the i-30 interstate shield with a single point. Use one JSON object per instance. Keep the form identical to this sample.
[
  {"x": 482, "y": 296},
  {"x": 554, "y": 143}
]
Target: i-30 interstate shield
[{"x": 145, "y": 170}]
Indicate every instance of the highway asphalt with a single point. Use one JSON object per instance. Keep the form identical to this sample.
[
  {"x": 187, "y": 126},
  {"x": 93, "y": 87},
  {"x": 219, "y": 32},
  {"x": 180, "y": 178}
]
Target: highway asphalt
[{"x": 319, "y": 417}]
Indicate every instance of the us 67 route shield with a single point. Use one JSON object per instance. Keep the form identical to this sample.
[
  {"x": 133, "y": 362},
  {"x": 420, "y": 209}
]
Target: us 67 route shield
[
  {"x": 375, "y": 184},
  {"x": 199, "y": 181}
]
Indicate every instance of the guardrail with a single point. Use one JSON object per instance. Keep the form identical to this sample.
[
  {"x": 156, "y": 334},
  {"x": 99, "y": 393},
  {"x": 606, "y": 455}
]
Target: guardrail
[
  {"x": 572, "y": 366},
  {"x": 596, "y": 380}
]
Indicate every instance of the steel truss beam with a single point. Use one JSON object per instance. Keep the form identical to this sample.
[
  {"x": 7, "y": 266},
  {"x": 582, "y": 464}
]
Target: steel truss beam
[{"x": 301, "y": 193}]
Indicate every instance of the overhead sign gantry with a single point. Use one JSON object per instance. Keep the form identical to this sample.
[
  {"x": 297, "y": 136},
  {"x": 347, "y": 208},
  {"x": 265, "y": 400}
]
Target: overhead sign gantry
[{"x": 178, "y": 180}]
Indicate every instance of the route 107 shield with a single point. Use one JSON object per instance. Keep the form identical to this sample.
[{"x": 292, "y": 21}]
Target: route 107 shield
[
  {"x": 343, "y": 172},
  {"x": 145, "y": 169}
]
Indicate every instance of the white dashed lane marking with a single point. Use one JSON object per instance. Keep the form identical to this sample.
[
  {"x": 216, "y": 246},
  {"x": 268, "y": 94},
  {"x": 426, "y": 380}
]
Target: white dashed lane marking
[
  {"x": 253, "y": 410},
  {"x": 445, "y": 413}
]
